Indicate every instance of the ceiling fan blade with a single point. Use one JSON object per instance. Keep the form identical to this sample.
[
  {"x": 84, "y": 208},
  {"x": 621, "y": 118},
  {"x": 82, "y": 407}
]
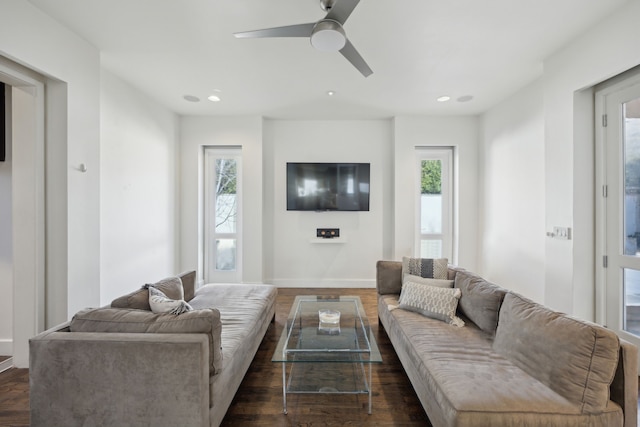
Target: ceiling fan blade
[
  {"x": 300, "y": 30},
  {"x": 352, "y": 55},
  {"x": 341, "y": 10}
]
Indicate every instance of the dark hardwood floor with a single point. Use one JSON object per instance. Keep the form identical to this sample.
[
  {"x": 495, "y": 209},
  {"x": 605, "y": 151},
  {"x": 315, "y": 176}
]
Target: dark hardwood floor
[
  {"x": 14, "y": 398},
  {"x": 258, "y": 401}
]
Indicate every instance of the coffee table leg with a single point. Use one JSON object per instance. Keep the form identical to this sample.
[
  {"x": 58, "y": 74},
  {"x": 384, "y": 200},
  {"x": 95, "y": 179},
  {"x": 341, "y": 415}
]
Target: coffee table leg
[
  {"x": 284, "y": 386},
  {"x": 370, "y": 386}
]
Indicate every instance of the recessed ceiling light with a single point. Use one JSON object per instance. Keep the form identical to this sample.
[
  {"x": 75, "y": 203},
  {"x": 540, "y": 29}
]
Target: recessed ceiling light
[
  {"x": 330, "y": 93},
  {"x": 465, "y": 98},
  {"x": 191, "y": 98},
  {"x": 443, "y": 98},
  {"x": 213, "y": 98}
]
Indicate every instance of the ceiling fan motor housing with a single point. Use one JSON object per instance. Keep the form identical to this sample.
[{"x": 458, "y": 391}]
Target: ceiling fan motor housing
[{"x": 328, "y": 36}]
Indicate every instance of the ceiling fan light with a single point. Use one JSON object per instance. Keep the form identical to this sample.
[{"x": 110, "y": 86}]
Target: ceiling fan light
[{"x": 328, "y": 36}]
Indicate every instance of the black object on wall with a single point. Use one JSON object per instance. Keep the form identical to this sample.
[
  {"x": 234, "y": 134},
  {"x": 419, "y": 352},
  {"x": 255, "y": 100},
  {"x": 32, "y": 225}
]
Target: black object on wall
[
  {"x": 328, "y": 233},
  {"x": 328, "y": 186},
  {"x": 3, "y": 128}
]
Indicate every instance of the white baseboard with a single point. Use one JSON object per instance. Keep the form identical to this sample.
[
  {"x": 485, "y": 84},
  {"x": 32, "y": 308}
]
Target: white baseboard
[
  {"x": 323, "y": 283},
  {"x": 6, "y": 347}
]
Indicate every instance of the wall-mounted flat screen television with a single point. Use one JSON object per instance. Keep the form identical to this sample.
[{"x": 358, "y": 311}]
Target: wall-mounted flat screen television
[{"x": 328, "y": 186}]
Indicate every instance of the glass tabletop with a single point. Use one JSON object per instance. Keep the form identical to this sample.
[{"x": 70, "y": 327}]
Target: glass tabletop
[{"x": 327, "y": 329}]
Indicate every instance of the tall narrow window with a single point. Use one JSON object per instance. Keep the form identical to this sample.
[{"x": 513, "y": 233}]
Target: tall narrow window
[
  {"x": 222, "y": 215},
  {"x": 434, "y": 236}
]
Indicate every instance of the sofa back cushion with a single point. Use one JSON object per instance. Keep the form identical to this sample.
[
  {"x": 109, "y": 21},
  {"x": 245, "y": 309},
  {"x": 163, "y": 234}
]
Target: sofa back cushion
[
  {"x": 188, "y": 279},
  {"x": 389, "y": 277},
  {"x": 480, "y": 301},
  {"x": 205, "y": 321},
  {"x": 576, "y": 359}
]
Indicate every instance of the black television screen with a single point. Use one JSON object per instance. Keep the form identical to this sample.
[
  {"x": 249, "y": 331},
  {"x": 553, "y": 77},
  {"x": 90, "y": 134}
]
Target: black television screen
[{"x": 328, "y": 186}]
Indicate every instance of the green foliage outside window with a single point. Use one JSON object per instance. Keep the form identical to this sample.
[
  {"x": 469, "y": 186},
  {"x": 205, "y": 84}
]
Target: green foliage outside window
[{"x": 431, "y": 177}]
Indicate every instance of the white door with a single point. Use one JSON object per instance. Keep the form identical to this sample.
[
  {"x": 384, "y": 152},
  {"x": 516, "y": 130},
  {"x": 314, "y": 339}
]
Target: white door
[
  {"x": 434, "y": 203},
  {"x": 223, "y": 214},
  {"x": 618, "y": 296}
]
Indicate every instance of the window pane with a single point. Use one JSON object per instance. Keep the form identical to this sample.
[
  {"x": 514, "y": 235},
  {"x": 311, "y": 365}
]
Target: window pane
[
  {"x": 632, "y": 301},
  {"x": 632, "y": 177},
  {"x": 431, "y": 197},
  {"x": 431, "y": 248},
  {"x": 225, "y": 254},
  {"x": 431, "y": 214},
  {"x": 226, "y": 197}
]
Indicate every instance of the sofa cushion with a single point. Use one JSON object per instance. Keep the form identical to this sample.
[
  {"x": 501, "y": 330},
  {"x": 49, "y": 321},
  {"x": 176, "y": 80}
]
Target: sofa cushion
[
  {"x": 389, "y": 277},
  {"x": 480, "y": 301},
  {"x": 425, "y": 267},
  {"x": 576, "y": 359},
  {"x": 205, "y": 321},
  {"x": 160, "y": 303},
  {"x": 431, "y": 301},
  {"x": 139, "y": 299},
  {"x": 462, "y": 381},
  {"x": 188, "y": 279}
]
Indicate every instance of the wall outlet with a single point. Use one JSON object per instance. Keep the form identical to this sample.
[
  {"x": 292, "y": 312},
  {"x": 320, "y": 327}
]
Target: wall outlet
[{"x": 562, "y": 233}]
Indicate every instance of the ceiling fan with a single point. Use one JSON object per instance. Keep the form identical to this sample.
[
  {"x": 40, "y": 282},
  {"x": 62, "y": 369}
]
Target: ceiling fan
[{"x": 326, "y": 35}]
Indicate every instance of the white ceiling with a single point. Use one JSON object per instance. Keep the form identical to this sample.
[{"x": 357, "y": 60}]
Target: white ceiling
[{"x": 418, "y": 50}]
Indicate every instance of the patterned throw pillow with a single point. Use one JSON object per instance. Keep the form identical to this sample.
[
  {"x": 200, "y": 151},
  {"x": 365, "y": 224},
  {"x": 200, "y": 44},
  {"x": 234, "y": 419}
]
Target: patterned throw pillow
[
  {"x": 431, "y": 301},
  {"x": 432, "y": 268},
  {"x": 160, "y": 303}
]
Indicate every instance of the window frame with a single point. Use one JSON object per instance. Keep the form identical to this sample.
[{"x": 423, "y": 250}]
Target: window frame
[
  {"x": 210, "y": 235},
  {"x": 446, "y": 156}
]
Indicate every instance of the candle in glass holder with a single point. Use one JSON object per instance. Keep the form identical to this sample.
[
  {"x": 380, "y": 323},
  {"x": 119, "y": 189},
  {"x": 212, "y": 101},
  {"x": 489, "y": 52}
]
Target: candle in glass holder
[{"x": 329, "y": 322}]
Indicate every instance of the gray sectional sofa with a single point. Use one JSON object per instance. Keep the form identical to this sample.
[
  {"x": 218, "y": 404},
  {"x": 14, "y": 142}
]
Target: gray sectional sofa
[
  {"x": 123, "y": 365},
  {"x": 513, "y": 363}
]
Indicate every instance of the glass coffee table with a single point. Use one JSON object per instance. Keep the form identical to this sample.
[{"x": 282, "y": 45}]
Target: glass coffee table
[{"x": 327, "y": 347}]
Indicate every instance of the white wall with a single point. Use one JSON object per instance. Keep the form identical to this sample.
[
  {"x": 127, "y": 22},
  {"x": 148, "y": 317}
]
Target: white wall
[
  {"x": 607, "y": 49},
  {"x": 195, "y": 133},
  {"x": 72, "y": 69},
  {"x": 6, "y": 250},
  {"x": 458, "y": 132},
  {"x": 139, "y": 196},
  {"x": 512, "y": 193},
  {"x": 290, "y": 258},
  {"x": 277, "y": 244}
]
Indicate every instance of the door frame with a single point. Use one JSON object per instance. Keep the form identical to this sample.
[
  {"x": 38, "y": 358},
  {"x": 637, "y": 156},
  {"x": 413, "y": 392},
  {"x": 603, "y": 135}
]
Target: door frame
[
  {"x": 602, "y": 124},
  {"x": 28, "y": 204}
]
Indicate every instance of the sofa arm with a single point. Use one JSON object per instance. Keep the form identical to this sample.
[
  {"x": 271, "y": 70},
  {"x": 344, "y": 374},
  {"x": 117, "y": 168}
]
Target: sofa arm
[
  {"x": 116, "y": 379},
  {"x": 624, "y": 388},
  {"x": 389, "y": 277}
]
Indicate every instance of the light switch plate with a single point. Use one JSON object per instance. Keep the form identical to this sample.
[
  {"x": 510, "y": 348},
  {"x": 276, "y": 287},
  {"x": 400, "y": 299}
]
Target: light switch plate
[{"x": 562, "y": 233}]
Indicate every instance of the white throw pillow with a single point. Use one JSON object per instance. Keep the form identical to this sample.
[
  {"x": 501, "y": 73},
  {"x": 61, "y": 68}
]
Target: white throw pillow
[
  {"x": 160, "y": 303},
  {"x": 440, "y": 283},
  {"x": 431, "y": 301}
]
